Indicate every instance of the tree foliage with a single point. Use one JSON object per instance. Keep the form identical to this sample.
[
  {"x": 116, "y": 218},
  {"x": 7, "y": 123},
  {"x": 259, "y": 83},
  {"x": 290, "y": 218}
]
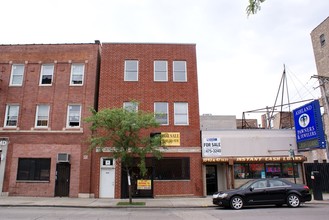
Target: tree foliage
[
  {"x": 254, "y": 6},
  {"x": 126, "y": 132}
]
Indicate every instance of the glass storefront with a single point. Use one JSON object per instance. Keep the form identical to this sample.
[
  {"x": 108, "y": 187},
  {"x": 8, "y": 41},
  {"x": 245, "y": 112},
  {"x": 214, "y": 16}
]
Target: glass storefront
[{"x": 262, "y": 170}]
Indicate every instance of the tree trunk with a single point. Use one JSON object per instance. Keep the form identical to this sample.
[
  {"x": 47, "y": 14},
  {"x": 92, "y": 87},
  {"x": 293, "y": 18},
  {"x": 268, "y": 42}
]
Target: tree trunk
[{"x": 129, "y": 187}]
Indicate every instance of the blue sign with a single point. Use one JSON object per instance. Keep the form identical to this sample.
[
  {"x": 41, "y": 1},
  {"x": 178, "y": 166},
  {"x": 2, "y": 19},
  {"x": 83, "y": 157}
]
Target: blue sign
[{"x": 309, "y": 127}]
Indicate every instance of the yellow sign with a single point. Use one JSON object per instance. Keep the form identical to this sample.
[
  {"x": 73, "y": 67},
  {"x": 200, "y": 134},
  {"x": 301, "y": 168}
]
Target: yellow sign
[
  {"x": 170, "y": 138},
  {"x": 144, "y": 184}
]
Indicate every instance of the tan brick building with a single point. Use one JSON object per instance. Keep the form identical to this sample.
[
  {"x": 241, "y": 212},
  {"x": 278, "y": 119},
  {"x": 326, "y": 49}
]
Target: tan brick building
[
  {"x": 45, "y": 92},
  {"x": 320, "y": 42},
  {"x": 163, "y": 79}
]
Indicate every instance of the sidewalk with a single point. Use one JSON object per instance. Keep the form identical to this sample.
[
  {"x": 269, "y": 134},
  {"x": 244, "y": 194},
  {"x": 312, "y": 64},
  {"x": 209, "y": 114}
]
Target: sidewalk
[{"x": 181, "y": 202}]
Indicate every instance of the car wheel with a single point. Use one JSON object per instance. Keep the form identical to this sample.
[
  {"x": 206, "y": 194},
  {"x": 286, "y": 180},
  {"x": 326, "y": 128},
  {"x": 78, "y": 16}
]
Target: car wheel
[
  {"x": 293, "y": 200},
  {"x": 236, "y": 202}
]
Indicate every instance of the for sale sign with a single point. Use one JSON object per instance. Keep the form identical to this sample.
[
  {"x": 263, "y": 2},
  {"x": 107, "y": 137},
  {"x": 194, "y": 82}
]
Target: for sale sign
[{"x": 211, "y": 147}]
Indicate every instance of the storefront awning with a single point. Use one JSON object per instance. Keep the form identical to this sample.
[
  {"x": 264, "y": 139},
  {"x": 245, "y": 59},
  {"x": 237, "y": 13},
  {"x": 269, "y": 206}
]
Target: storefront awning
[{"x": 267, "y": 159}]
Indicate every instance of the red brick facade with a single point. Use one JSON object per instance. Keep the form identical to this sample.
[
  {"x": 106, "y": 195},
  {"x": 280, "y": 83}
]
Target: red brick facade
[
  {"x": 26, "y": 140},
  {"x": 114, "y": 91},
  {"x": 102, "y": 86}
]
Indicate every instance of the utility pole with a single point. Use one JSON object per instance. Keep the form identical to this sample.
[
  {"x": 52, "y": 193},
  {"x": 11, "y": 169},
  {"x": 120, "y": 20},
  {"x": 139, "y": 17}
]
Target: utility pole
[{"x": 323, "y": 80}]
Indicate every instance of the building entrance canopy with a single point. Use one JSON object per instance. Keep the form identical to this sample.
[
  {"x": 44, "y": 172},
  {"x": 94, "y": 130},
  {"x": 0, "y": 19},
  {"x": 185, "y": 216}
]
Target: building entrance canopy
[{"x": 232, "y": 160}]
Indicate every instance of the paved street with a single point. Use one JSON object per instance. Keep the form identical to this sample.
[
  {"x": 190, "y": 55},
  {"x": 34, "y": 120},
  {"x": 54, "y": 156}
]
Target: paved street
[{"x": 307, "y": 211}]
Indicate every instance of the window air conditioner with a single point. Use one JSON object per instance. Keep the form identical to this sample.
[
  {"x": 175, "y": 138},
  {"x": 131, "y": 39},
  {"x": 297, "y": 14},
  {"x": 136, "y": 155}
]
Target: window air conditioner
[{"x": 63, "y": 158}]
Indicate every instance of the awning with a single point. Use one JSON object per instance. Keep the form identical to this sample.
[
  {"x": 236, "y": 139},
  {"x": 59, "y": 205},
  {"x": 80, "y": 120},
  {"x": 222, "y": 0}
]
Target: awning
[{"x": 266, "y": 159}]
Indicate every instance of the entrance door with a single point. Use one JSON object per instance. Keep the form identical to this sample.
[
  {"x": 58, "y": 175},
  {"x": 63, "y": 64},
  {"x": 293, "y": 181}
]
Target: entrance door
[
  {"x": 62, "y": 186},
  {"x": 211, "y": 176},
  {"x": 107, "y": 178}
]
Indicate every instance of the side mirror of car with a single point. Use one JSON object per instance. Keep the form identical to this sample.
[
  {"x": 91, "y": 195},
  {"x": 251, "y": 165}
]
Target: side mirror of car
[{"x": 251, "y": 188}]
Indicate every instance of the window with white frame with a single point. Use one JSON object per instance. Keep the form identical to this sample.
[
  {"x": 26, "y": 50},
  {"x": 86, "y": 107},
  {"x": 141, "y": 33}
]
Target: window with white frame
[
  {"x": 180, "y": 74},
  {"x": 74, "y": 115},
  {"x": 181, "y": 113},
  {"x": 77, "y": 74},
  {"x": 42, "y": 116},
  {"x": 131, "y": 70},
  {"x": 46, "y": 75},
  {"x": 130, "y": 106},
  {"x": 17, "y": 72},
  {"x": 161, "y": 112},
  {"x": 11, "y": 118},
  {"x": 160, "y": 70}
]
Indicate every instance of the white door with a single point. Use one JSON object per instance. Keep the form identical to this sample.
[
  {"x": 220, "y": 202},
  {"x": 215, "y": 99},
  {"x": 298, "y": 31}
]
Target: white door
[{"x": 107, "y": 178}]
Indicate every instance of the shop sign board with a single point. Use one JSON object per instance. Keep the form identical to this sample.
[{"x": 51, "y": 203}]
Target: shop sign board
[
  {"x": 170, "y": 138},
  {"x": 309, "y": 127},
  {"x": 211, "y": 147},
  {"x": 144, "y": 184}
]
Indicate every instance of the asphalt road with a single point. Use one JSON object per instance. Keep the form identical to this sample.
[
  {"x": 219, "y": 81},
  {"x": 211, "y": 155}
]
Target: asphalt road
[{"x": 307, "y": 211}]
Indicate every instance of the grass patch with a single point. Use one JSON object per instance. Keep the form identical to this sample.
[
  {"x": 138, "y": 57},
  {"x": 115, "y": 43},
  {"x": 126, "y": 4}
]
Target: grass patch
[{"x": 133, "y": 203}]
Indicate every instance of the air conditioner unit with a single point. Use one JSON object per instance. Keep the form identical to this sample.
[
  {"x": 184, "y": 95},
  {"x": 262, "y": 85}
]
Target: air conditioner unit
[{"x": 63, "y": 158}]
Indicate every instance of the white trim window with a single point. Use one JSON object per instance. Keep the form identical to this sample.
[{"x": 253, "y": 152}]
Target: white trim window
[
  {"x": 17, "y": 73},
  {"x": 46, "y": 75},
  {"x": 77, "y": 74},
  {"x": 130, "y": 106},
  {"x": 131, "y": 70},
  {"x": 161, "y": 113},
  {"x": 11, "y": 118},
  {"x": 73, "y": 116},
  {"x": 42, "y": 116},
  {"x": 160, "y": 70},
  {"x": 181, "y": 113},
  {"x": 180, "y": 73}
]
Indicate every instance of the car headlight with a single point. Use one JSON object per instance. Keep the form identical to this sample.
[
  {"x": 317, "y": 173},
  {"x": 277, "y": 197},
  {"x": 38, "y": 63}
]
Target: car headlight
[{"x": 220, "y": 195}]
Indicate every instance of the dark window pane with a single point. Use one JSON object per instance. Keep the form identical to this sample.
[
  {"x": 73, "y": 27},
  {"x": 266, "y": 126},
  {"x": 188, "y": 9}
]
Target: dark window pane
[
  {"x": 172, "y": 169},
  {"x": 33, "y": 169}
]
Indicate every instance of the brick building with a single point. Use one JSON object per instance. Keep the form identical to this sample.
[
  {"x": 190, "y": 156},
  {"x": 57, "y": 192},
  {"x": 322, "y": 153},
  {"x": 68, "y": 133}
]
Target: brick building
[
  {"x": 320, "y": 42},
  {"x": 163, "y": 79},
  {"x": 45, "y": 92}
]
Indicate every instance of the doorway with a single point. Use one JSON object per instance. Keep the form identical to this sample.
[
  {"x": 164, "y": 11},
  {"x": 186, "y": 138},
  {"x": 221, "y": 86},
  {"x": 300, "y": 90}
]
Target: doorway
[
  {"x": 211, "y": 179},
  {"x": 107, "y": 178},
  {"x": 62, "y": 185}
]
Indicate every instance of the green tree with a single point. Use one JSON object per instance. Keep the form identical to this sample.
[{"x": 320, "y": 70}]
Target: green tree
[
  {"x": 254, "y": 6},
  {"x": 127, "y": 133}
]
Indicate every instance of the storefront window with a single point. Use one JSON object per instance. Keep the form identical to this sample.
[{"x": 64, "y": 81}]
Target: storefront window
[
  {"x": 172, "y": 169},
  {"x": 287, "y": 170},
  {"x": 248, "y": 171},
  {"x": 259, "y": 170},
  {"x": 273, "y": 170},
  {"x": 256, "y": 170},
  {"x": 241, "y": 170}
]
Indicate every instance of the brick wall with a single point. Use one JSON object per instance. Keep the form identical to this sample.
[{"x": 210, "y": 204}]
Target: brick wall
[
  {"x": 28, "y": 141},
  {"x": 114, "y": 91}
]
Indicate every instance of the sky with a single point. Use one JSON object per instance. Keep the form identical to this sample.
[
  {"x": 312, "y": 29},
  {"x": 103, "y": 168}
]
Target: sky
[{"x": 240, "y": 59}]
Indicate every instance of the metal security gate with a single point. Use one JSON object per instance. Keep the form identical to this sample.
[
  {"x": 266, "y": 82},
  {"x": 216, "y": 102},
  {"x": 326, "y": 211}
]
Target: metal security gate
[
  {"x": 62, "y": 186},
  {"x": 323, "y": 169}
]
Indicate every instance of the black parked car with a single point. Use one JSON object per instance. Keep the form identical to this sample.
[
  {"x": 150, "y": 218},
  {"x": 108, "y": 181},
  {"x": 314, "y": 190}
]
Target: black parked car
[{"x": 264, "y": 192}]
